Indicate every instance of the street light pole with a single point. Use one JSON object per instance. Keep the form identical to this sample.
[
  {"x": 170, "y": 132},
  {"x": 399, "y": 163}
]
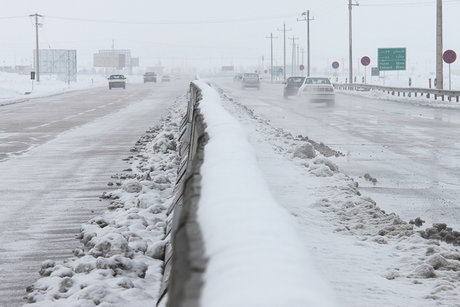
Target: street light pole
[
  {"x": 37, "y": 51},
  {"x": 306, "y": 17},
  {"x": 271, "y": 37},
  {"x": 439, "y": 64},
  {"x": 284, "y": 63},
  {"x": 293, "y": 55},
  {"x": 350, "y": 29}
]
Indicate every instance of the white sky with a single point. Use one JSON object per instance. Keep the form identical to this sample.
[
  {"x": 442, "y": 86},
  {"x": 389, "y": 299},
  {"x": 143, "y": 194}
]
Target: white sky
[{"x": 213, "y": 33}]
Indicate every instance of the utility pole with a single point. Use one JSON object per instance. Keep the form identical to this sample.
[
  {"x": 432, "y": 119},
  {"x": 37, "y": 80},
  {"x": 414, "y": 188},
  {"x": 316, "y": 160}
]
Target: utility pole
[
  {"x": 350, "y": 29},
  {"x": 439, "y": 64},
  {"x": 293, "y": 55},
  {"x": 37, "y": 51},
  {"x": 271, "y": 37},
  {"x": 284, "y": 36},
  {"x": 298, "y": 58},
  {"x": 306, "y": 17}
]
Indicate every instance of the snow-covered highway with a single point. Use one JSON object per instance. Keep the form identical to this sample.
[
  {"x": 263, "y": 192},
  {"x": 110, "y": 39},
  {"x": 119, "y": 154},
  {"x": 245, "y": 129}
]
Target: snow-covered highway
[
  {"x": 58, "y": 154},
  {"x": 412, "y": 151},
  {"x": 287, "y": 209}
]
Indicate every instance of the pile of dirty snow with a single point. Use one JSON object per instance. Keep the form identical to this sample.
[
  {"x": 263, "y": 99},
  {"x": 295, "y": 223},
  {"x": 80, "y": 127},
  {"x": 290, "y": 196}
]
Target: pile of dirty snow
[
  {"x": 120, "y": 261},
  {"x": 370, "y": 257}
]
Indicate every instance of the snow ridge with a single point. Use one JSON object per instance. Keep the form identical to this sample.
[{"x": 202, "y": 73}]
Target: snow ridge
[
  {"x": 426, "y": 270},
  {"x": 121, "y": 260},
  {"x": 255, "y": 256}
]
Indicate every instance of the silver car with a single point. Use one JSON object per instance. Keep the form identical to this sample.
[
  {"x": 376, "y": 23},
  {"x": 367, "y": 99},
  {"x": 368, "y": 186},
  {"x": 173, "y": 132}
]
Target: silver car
[
  {"x": 250, "y": 80},
  {"x": 317, "y": 89}
]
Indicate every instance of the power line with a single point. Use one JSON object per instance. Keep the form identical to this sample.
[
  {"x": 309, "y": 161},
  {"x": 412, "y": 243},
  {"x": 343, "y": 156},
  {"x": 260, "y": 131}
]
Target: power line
[
  {"x": 14, "y": 17},
  {"x": 171, "y": 22},
  {"x": 407, "y": 4}
]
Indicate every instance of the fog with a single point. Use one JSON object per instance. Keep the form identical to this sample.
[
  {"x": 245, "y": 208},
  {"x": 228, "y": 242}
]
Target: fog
[{"x": 209, "y": 34}]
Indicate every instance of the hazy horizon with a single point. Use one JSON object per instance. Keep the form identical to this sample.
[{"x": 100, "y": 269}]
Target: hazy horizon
[{"x": 209, "y": 34}]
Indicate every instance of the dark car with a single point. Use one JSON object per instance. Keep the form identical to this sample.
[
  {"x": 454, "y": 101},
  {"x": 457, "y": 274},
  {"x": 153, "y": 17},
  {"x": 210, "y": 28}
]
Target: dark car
[
  {"x": 117, "y": 81},
  {"x": 165, "y": 78},
  {"x": 250, "y": 80},
  {"x": 237, "y": 78},
  {"x": 292, "y": 85},
  {"x": 150, "y": 77}
]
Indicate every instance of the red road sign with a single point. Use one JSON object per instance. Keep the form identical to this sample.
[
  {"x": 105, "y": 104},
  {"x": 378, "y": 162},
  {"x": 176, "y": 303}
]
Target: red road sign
[
  {"x": 449, "y": 56},
  {"x": 301, "y": 67},
  {"x": 280, "y": 70},
  {"x": 365, "y": 60},
  {"x": 335, "y": 65}
]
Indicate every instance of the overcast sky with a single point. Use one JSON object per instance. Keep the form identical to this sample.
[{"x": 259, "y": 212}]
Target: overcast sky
[{"x": 213, "y": 33}]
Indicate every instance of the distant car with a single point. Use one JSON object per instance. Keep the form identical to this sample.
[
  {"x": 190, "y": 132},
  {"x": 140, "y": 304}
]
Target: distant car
[
  {"x": 165, "y": 78},
  {"x": 150, "y": 77},
  {"x": 117, "y": 81},
  {"x": 250, "y": 80},
  {"x": 317, "y": 89},
  {"x": 237, "y": 78},
  {"x": 292, "y": 85}
]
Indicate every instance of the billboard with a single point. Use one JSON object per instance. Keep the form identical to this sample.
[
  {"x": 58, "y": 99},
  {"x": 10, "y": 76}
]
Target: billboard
[
  {"x": 109, "y": 60},
  {"x": 228, "y": 68},
  {"x": 392, "y": 59},
  {"x": 61, "y": 62},
  {"x": 119, "y": 58}
]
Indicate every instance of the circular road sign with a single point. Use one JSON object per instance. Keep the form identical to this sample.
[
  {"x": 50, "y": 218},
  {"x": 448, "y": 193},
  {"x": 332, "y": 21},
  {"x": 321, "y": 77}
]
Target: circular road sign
[
  {"x": 280, "y": 70},
  {"x": 365, "y": 60},
  {"x": 449, "y": 56},
  {"x": 301, "y": 67},
  {"x": 335, "y": 65}
]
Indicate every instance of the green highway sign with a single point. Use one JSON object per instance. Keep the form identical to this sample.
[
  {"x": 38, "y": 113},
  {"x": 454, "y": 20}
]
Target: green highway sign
[{"x": 392, "y": 59}]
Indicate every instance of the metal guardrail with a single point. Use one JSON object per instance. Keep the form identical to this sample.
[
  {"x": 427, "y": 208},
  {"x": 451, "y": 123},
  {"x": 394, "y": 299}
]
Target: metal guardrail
[
  {"x": 184, "y": 253},
  {"x": 402, "y": 91}
]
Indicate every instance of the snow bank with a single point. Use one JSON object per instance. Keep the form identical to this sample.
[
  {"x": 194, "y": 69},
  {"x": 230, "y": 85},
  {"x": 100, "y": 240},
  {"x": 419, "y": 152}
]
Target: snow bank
[
  {"x": 419, "y": 100},
  {"x": 369, "y": 256},
  {"x": 255, "y": 256},
  {"x": 120, "y": 262},
  {"x": 15, "y": 87}
]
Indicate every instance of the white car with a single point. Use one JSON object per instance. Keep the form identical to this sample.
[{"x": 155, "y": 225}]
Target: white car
[{"x": 317, "y": 89}]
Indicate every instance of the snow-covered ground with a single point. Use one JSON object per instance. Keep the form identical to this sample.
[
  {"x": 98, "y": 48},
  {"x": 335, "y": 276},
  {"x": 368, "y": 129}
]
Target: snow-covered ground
[
  {"x": 120, "y": 260},
  {"x": 282, "y": 226},
  {"x": 14, "y": 87}
]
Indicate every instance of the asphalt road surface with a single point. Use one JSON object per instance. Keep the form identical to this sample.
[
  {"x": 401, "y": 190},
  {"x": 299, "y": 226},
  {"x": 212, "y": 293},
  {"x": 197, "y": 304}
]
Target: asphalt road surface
[
  {"x": 412, "y": 151},
  {"x": 56, "y": 157}
]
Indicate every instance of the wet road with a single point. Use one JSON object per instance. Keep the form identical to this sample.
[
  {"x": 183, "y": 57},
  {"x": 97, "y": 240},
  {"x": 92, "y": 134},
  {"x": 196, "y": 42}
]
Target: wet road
[
  {"x": 57, "y": 155},
  {"x": 412, "y": 151}
]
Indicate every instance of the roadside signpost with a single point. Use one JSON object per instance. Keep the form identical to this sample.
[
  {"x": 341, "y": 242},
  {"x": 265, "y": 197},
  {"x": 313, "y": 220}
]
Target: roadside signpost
[
  {"x": 449, "y": 57},
  {"x": 391, "y": 59},
  {"x": 375, "y": 72},
  {"x": 32, "y": 78},
  {"x": 365, "y": 61}
]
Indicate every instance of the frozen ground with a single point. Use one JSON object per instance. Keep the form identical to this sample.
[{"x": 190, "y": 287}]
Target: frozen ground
[
  {"x": 16, "y": 87},
  {"x": 327, "y": 227},
  {"x": 369, "y": 257},
  {"x": 120, "y": 260},
  {"x": 58, "y": 154}
]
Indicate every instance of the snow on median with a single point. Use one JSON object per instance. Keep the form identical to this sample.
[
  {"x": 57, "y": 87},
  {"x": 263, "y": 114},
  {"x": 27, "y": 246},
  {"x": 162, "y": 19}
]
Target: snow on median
[
  {"x": 255, "y": 255},
  {"x": 369, "y": 257},
  {"x": 120, "y": 262}
]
